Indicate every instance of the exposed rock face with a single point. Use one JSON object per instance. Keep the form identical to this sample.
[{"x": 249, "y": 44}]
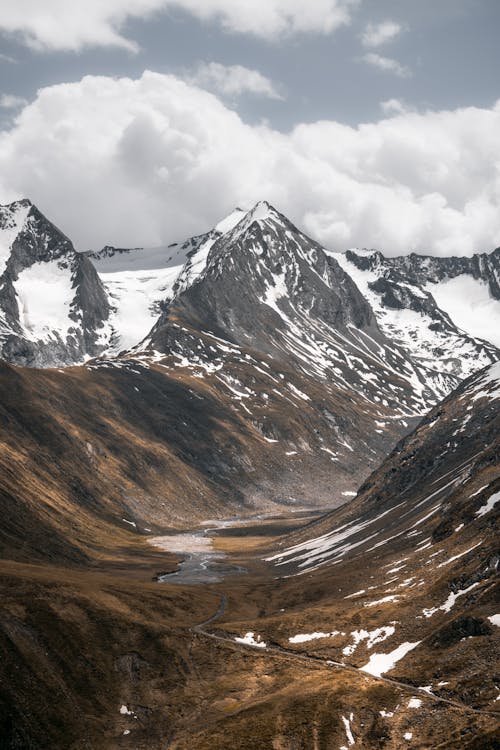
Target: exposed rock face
[
  {"x": 444, "y": 312},
  {"x": 254, "y": 280},
  {"x": 266, "y": 286},
  {"x": 265, "y": 262},
  {"x": 53, "y": 307},
  {"x": 423, "y": 269},
  {"x": 463, "y": 627}
]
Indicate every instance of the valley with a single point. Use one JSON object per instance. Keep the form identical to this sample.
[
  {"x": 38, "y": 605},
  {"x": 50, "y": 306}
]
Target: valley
[
  {"x": 249, "y": 494},
  {"x": 217, "y": 663}
]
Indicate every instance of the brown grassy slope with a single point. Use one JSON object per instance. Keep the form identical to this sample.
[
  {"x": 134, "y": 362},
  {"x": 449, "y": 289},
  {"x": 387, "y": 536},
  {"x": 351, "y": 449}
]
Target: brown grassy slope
[
  {"x": 83, "y": 449},
  {"x": 75, "y": 647},
  {"x": 420, "y": 556}
]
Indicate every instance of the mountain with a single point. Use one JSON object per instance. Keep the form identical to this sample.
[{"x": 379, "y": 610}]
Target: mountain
[
  {"x": 290, "y": 355},
  {"x": 245, "y": 374},
  {"x": 400, "y": 312},
  {"x": 141, "y": 281},
  {"x": 402, "y": 582},
  {"x": 443, "y": 311},
  {"x": 53, "y": 307},
  {"x": 268, "y": 288},
  {"x": 413, "y": 299}
]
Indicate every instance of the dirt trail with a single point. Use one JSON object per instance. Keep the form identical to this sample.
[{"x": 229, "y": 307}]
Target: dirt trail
[{"x": 320, "y": 661}]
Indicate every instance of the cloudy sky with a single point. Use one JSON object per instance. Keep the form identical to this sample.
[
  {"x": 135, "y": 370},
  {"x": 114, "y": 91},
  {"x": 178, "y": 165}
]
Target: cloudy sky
[{"x": 372, "y": 124}]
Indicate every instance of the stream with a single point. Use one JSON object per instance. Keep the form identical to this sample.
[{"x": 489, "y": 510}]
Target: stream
[{"x": 200, "y": 563}]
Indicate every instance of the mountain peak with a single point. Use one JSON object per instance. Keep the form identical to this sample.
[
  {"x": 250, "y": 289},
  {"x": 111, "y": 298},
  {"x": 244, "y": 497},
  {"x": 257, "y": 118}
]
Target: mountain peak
[
  {"x": 263, "y": 210},
  {"x": 12, "y": 220},
  {"x": 17, "y": 204},
  {"x": 230, "y": 221}
]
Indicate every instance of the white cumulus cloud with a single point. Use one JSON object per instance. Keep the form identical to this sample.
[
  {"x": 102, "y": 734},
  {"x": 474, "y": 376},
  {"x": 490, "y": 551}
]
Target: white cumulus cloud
[
  {"x": 64, "y": 25},
  {"x": 387, "y": 64},
  {"x": 377, "y": 34},
  {"x": 10, "y": 101},
  {"x": 234, "y": 80},
  {"x": 155, "y": 160}
]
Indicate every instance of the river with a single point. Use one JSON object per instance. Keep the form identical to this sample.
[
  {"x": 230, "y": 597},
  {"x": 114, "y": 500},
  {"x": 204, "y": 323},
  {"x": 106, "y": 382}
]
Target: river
[{"x": 201, "y": 563}]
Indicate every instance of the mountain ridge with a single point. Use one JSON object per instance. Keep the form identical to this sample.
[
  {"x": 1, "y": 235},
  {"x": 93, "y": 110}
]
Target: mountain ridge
[
  {"x": 181, "y": 264},
  {"x": 269, "y": 382}
]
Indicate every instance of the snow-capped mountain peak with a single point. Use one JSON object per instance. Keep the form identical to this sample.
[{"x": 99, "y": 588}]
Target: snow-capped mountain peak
[
  {"x": 444, "y": 311},
  {"x": 142, "y": 281},
  {"x": 363, "y": 319},
  {"x": 229, "y": 222},
  {"x": 12, "y": 220},
  {"x": 53, "y": 308}
]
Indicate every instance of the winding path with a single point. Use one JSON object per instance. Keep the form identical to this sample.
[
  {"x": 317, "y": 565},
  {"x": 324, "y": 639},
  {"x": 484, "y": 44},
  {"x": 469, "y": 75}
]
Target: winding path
[{"x": 320, "y": 661}]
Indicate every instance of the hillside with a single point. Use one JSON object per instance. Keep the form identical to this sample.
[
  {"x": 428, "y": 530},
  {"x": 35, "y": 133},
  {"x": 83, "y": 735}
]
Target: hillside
[{"x": 213, "y": 405}]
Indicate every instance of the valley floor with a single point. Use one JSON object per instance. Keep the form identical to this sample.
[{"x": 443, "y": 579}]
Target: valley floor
[{"x": 111, "y": 658}]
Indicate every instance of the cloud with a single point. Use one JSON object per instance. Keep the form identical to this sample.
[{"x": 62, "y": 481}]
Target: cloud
[
  {"x": 387, "y": 64},
  {"x": 395, "y": 107},
  {"x": 375, "y": 35},
  {"x": 63, "y": 25},
  {"x": 155, "y": 160},
  {"x": 234, "y": 80},
  {"x": 10, "y": 101}
]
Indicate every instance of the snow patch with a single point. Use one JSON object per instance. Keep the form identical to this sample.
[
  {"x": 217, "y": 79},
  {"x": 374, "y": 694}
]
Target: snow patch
[
  {"x": 372, "y": 637},
  {"x": 414, "y": 703},
  {"x": 456, "y": 557},
  {"x": 347, "y": 726},
  {"x": 489, "y": 505},
  {"x": 44, "y": 295},
  {"x": 379, "y": 664},
  {"x": 249, "y": 640},
  {"x": 385, "y": 599},
  {"x": 450, "y": 602}
]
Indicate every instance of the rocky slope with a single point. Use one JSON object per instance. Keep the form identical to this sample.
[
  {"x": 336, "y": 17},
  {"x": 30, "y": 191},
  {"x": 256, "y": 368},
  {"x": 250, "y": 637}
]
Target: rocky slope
[
  {"x": 259, "y": 257},
  {"x": 140, "y": 282},
  {"x": 403, "y": 581},
  {"x": 53, "y": 307},
  {"x": 444, "y": 312},
  {"x": 268, "y": 288},
  {"x": 453, "y": 449}
]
